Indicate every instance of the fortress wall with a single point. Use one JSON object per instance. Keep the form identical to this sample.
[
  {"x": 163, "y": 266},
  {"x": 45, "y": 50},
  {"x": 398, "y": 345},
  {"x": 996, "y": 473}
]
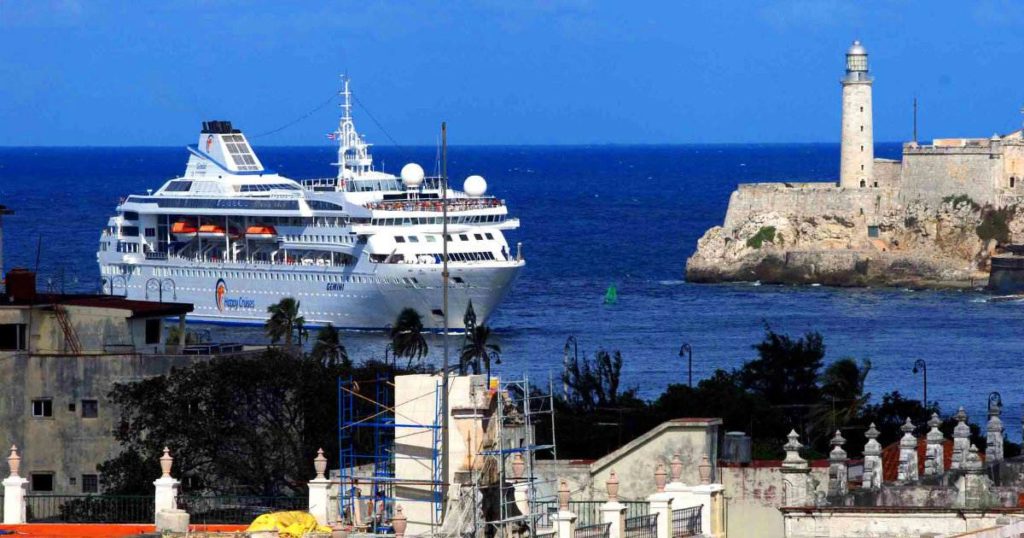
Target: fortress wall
[
  {"x": 887, "y": 173},
  {"x": 809, "y": 199},
  {"x": 933, "y": 173}
]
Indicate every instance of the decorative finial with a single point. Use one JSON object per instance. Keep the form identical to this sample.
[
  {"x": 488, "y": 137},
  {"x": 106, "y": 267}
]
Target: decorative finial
[
  {"x": 563, "y": 495},
  {"x": 165, "y": 462},
  {"x": 612, "y": 486},
  {"x": 320, "y": 464},
  {"x": 676, "y": 465},
  {"x": 659, "y": 477},
  {"x": 399, "y": 522},
  {"x": 704, "y": 470},
  {"x": 872, "y": 432},
  {"x": 518, "y": 466},
  {"x": 908, "y": 427},
  {"x": 14, "y": 461},
  {"x": 961, "y": 415},
  {"x": 934, "y": 422},
  {"x": 838, "y": 439}
]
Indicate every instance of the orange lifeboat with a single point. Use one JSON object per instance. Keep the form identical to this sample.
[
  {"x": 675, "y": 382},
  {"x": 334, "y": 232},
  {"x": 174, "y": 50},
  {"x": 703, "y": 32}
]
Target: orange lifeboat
[
  {"x": 183, "y": 230},
  {"x": 211, "y": 231},
  {"x": 260, "y": 232}
]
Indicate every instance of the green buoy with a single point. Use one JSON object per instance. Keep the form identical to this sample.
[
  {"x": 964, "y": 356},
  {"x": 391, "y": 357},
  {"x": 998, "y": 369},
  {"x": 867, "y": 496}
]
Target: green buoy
[{"x": 611, "y": 296}]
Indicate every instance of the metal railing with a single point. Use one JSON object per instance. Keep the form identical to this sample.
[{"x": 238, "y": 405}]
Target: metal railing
[
  {"x": 587, "y": 512},
  {"x": 600, "y": 530},
  {"x": 236, "y": 509},
  {"x": 89, "y": 508},
  {"x": 686, "y": 521},
  {"x": 642, "y": 526}
]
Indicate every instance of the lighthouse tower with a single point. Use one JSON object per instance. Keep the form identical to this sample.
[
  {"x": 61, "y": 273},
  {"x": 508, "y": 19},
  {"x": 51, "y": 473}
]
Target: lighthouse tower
[{"x": 857, "y": 153}]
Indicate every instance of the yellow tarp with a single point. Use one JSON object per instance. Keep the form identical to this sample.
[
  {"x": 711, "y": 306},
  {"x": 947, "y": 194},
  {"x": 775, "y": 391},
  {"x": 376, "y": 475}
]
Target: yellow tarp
[{"x": 287, "y": 523}]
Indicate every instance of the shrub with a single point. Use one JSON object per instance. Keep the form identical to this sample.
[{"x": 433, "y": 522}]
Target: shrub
[
  {"x": 766, "y": 233},
  {"x": 959, "y": 199},
  {"x": 995, "y": 224}
]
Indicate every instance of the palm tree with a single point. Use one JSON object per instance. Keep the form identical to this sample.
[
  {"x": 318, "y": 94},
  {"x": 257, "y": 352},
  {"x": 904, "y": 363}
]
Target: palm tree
[
  {"x": 328, "y": 348},
  {"x": 285, "y": 321},
  {"x": 407, "y": 336},
  {"x": 478, "y": 349},
  {"x": 843, "y": 396}
]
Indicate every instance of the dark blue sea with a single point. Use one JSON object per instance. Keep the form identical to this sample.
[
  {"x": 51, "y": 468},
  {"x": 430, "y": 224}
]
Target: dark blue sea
[{"x": 591, "y": 217}]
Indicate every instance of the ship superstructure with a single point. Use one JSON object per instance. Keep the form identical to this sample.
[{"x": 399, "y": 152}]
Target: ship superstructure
[{"x": 233, "y": 238}]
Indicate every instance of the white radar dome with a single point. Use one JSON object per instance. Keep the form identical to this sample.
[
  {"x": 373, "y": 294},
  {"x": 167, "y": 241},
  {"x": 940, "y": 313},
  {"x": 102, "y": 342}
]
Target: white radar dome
[
  {"x": 412, "y": 175},
  {"x": 475, "y": 186}
]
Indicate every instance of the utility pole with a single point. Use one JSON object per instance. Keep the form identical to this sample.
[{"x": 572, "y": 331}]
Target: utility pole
[{"x": 444, "y": 278}]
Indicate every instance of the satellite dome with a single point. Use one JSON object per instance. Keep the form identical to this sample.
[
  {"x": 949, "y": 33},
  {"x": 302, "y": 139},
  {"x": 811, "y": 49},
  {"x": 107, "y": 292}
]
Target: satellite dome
[
  {"x": 475, "y": 186},
  {"x": 412, "y": 175},
  {"x": 857, "y": 49}
]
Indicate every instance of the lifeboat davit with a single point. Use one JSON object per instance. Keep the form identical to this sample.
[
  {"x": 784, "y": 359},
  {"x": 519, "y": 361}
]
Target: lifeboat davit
[
  {"x": 260, "y": 232},
  {"x": 211, "y": 231},
  {"x": 183, "y": 230}
]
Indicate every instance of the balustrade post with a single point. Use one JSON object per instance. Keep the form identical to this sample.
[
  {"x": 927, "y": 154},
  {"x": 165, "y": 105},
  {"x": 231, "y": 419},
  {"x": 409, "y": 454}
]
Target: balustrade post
[
  {"x": 961, "y": 439},
  {"x": 565, "y": 520},
  {"x": 994, "y": 437},
  {"x": 165, "y": 501},
  {"x": 660, "y": 503},
  {"x": 14, "y": 491},
  {"x": 319, "y": 500},
  {"x": 935, "y": 463},
  {"x": 710, "y": 498},
  {"x": 908, "y": 453},
  {"x": 613, "y": 512},
  {"x": 872, "y": 459}
]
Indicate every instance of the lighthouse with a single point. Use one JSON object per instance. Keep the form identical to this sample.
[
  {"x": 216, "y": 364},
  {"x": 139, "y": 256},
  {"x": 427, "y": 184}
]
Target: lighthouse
[{"x": 857, "y": 152}]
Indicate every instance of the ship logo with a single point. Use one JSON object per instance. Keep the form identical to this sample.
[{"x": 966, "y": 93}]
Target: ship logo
[
  {"x": 209, "y": 142},
  {"x": 220, "y": 292}
]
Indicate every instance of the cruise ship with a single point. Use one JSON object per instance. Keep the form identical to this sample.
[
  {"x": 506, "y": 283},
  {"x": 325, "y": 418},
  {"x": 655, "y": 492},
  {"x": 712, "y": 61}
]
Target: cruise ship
[{"x": 233, "y": 238}]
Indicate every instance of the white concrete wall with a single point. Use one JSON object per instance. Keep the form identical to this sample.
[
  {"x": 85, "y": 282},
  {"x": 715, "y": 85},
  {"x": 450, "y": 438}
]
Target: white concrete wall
[
  {"x": 753, "y": 498},
  {"x": 883, "y": 523}
]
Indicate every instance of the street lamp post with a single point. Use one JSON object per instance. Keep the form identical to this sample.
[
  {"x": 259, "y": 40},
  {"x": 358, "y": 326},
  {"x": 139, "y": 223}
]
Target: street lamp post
[
  {"x": 687, "y": 350},
  {"x": 495, "y": 358},
  {"x": 565, "y": 363},
  {"x": 387, "y": 350},
  {"x": 919, "y": 364}
]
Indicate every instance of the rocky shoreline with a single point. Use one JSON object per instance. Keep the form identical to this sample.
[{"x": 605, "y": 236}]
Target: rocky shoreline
[{"x": 945, "y": 245}]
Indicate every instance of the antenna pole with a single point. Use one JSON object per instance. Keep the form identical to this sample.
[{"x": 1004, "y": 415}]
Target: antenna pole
[
  {"x": 444, "y": 311},
  {"x": 915, "y": 118}
]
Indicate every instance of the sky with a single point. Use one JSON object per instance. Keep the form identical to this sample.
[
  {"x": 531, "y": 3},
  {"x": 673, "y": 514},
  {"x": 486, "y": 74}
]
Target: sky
[{"x": 146, "y": 73}]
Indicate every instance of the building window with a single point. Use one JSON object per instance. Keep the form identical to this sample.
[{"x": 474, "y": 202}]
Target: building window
[
  {"x": 1013, "y": 181},
  {"x": 42, "y": 481},
  {"x": 12, "y": 337},
  {"x": 862, "y": 148},
  {"x": 862, "y": 128},
  {"x": 153, "y": 329},
  {"x": 90, "y": 483},
  {"x": 862, "y": 167},
  {"x": 872, "y": 231},
  {"x": 90, "y": 408},
  {"x": 42, "y": 408},
  {"x": 862, "y": 109}
]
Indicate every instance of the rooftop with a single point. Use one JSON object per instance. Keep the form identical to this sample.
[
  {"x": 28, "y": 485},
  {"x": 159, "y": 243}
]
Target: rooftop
[{"x": 139, "y": 309}]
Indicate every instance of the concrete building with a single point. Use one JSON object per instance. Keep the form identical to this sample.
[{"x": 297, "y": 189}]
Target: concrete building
[
  {"x": 60, "y": 356},
  {"x": 3, "y": 211},
  {"x": 857, "y": 153}
]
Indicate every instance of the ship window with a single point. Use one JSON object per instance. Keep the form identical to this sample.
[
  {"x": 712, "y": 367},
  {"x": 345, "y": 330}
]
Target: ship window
[
  {"x": 414, "y": 239},
  {"x": 399, "y": 239},
  {"x": 178, "y": 186},
  {"x": 488, "y": 236},
  {"x": 463, "y": 237},
  {"x": 433, "y": 239},
  {"x": 150, "y": 232},
  {"x": 130, "y": 231},
  {"x": 478, "y": 237}
]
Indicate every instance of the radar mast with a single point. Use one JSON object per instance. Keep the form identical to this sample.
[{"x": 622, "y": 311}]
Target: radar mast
[{"x": 353, "y": 152}]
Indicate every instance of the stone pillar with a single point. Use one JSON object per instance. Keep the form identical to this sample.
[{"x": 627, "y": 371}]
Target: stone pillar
[
  {"x": 181, "y": 328},
  {"x": 961, "y": 439},
  {"x": 935, "y": 463},
  {"x": 710, "y": 497},
  {"x": 908, "y": 453},
  {"x": 795, "y": 474},
  {"x": 319, "y": 496},
  {"x": 14, "y": 491},
  {"x": 838, "y": 476},
  {"x": 872, "y": 459},
  {"x": 613, "y": 512},
  {"x": 973, "y": 487},
  {"x": 165, "y": 507},
  {"x": 661, "y": 505},
  {"x": 564, "y": 520},
  {"x": 994, "y": 435}
]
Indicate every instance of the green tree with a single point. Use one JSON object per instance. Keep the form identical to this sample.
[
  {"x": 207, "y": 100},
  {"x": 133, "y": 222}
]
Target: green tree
[
  {"x": 478, "y": 349},
  {"x": 595, "y": 384},
  {"x": 842, "y": 395},
  {"x": 285, "y": 322},
  {"x": 786, "y": 370},
  {"x": 328, "y": 348},
  {"x": 407, "y": 338}
]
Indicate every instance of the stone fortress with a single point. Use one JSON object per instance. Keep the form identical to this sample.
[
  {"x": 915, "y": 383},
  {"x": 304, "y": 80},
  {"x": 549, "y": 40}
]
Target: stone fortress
[{"x": 934, "y": 218}]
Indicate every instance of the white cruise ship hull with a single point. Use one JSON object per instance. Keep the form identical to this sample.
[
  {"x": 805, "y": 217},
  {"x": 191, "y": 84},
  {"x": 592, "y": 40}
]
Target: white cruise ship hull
[{"x": 348, "y": 299}]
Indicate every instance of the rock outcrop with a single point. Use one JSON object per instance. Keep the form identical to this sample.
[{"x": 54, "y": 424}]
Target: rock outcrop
[{"x": 942, "y": 244}]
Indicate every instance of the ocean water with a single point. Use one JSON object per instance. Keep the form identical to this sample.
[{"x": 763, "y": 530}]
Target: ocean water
[{"x": 591, "y": 217}]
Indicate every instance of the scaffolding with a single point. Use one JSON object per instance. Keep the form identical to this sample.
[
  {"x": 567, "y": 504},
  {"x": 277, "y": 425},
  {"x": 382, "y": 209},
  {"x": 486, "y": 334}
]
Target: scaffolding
[
  {"x": 517, "y": 411},
  {"x": 367, "y": 455}
]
